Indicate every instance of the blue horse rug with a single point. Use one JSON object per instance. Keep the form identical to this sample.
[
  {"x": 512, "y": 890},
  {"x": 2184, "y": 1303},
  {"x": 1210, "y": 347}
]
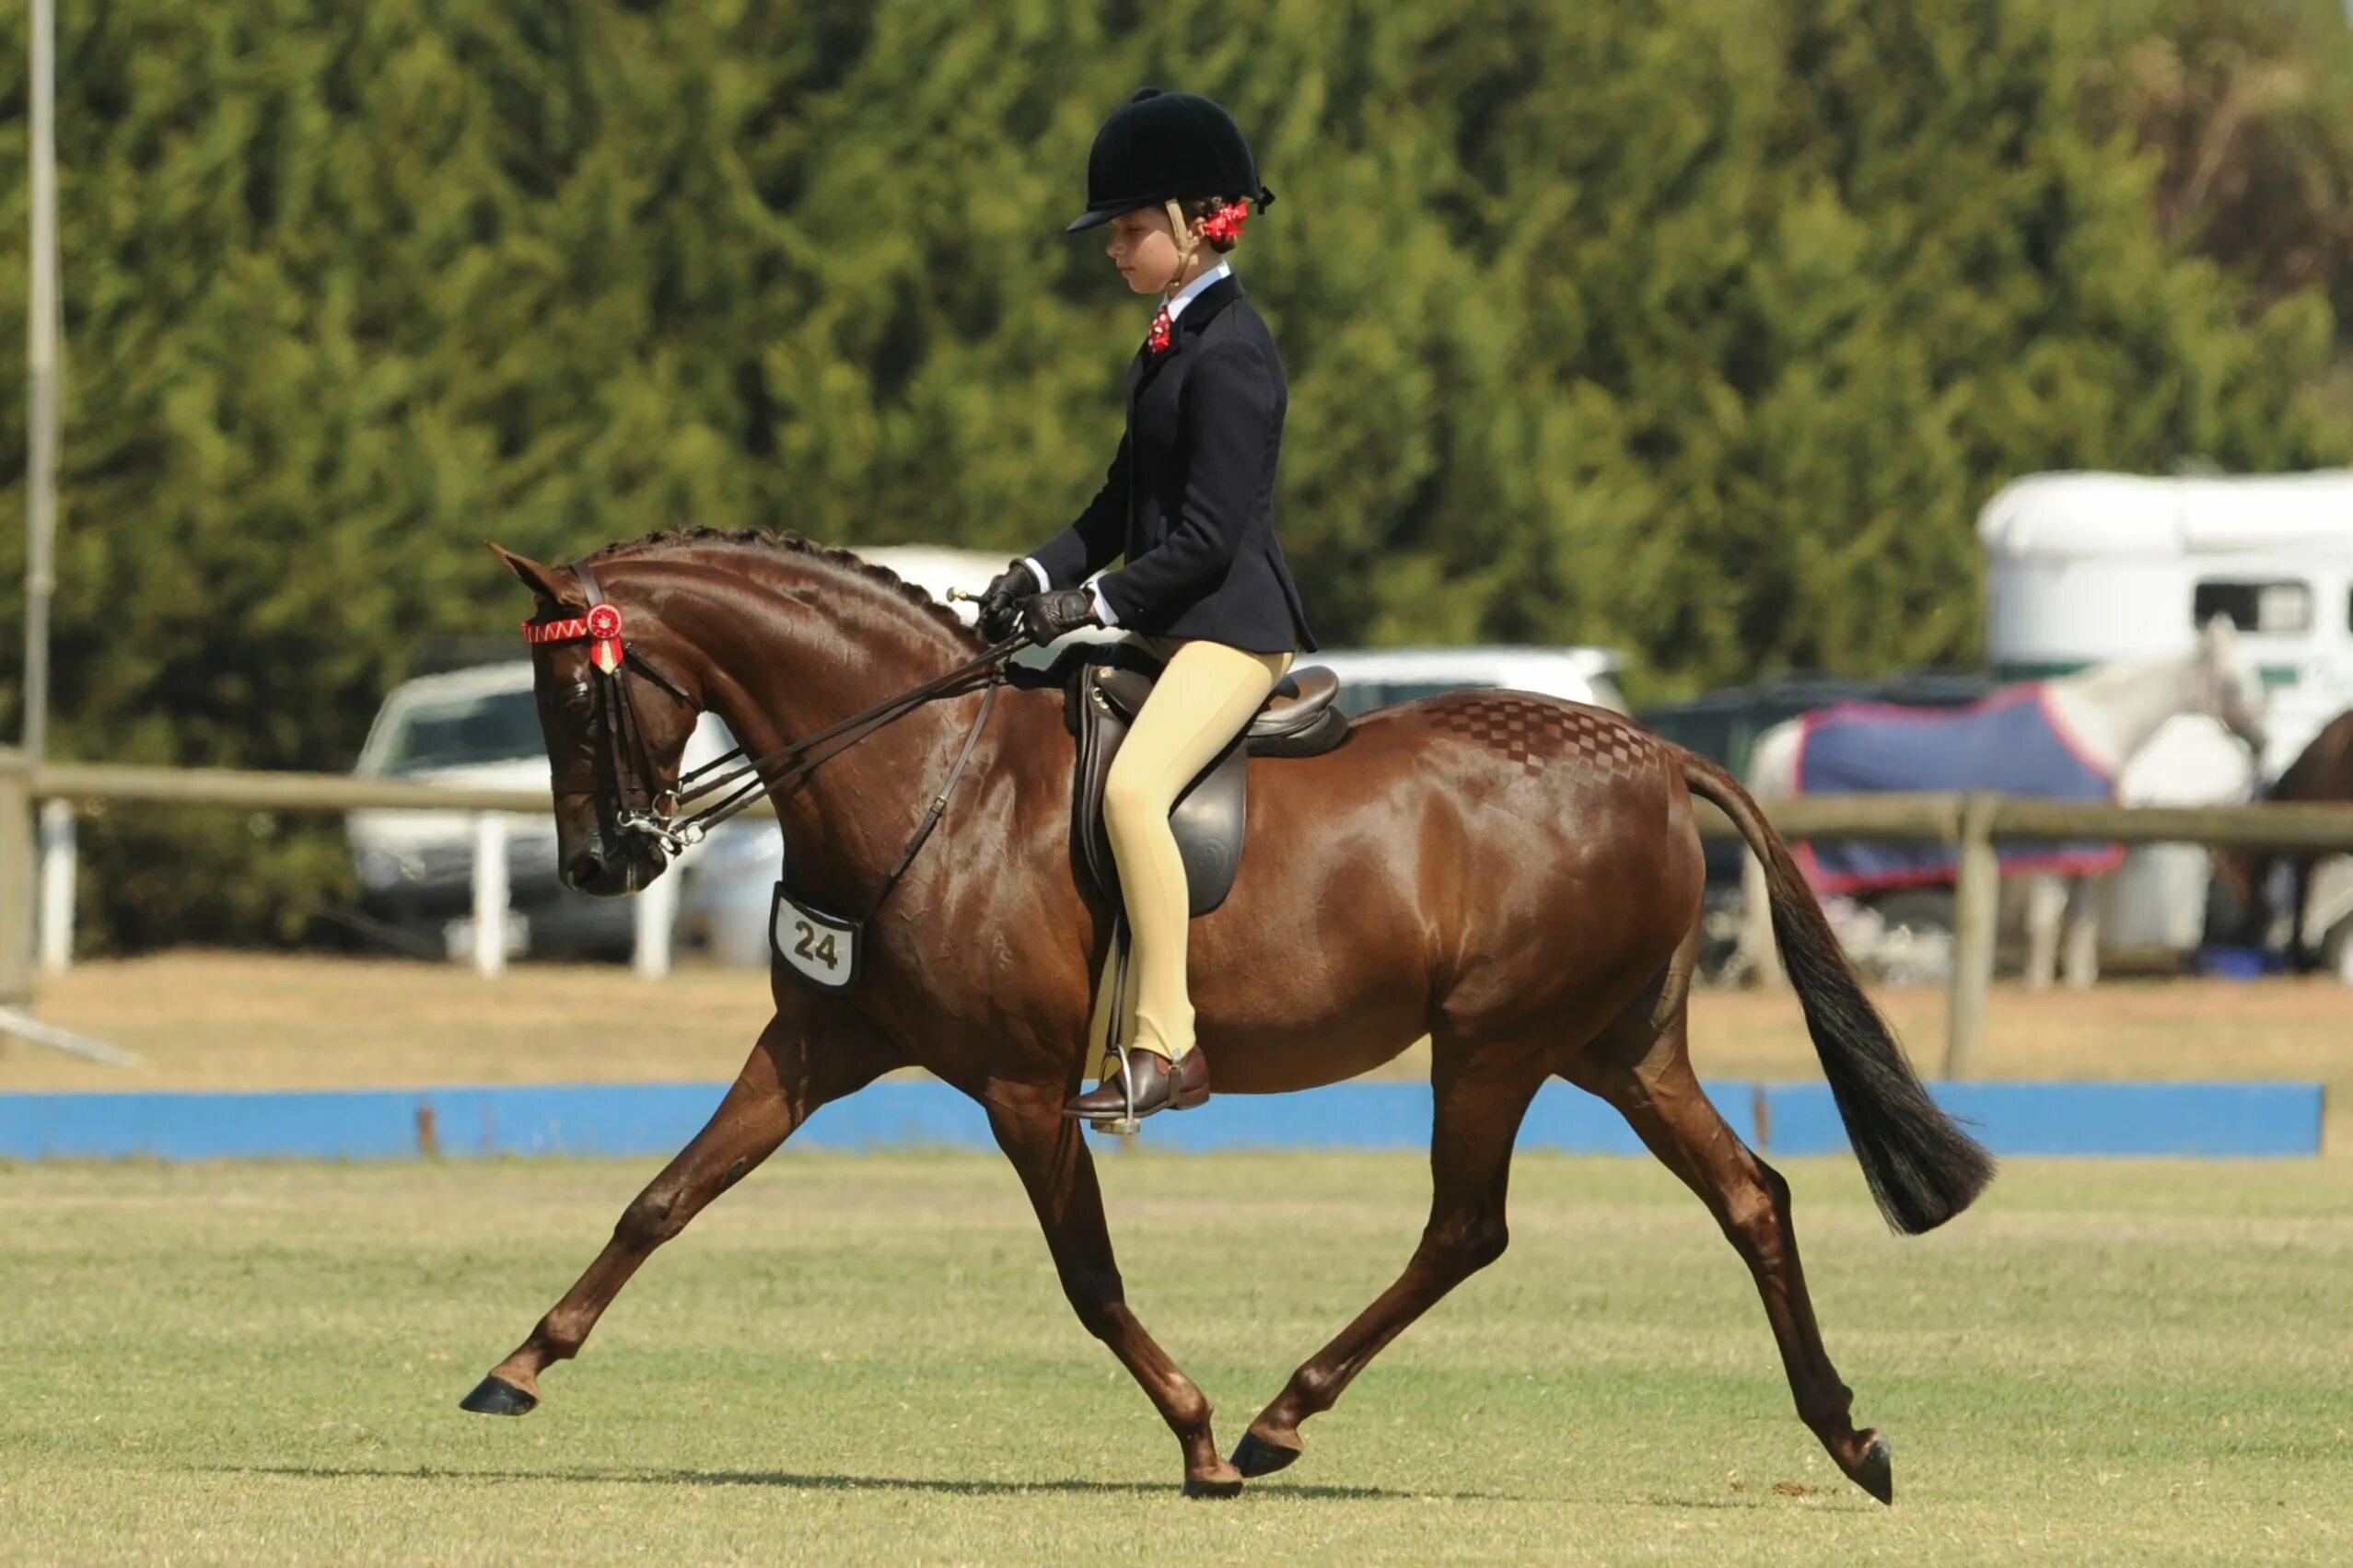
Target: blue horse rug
[{"x": 2009, "y": 743}]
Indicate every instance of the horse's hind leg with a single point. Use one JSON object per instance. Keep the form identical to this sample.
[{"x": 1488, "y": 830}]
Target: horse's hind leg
[
  {"x": 788, "y": 1074},
  {"x": 1661, "y": 1098},
  {"x": 1480, "y": 1102}
]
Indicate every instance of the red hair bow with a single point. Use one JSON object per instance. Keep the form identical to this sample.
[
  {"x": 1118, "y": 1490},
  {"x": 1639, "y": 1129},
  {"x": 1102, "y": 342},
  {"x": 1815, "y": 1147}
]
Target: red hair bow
[{"x": 1224, "y": 224}]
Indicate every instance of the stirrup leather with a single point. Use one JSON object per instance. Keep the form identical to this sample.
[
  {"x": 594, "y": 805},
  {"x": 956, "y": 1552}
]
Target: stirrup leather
[{"x": 1114, "y": 1040}]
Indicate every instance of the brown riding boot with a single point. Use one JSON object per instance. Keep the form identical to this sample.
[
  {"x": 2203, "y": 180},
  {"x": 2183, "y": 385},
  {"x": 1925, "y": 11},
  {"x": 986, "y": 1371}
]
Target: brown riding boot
[{"x": 1160, "y": 1085}]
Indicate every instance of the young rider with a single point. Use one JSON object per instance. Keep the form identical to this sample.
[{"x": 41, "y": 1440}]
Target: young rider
[{"x": 1189, "y": 502}]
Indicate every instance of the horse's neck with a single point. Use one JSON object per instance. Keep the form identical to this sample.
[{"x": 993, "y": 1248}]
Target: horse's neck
[
  {"x": 2116, "y": 709},
  {"x": 779, "y": 679}
]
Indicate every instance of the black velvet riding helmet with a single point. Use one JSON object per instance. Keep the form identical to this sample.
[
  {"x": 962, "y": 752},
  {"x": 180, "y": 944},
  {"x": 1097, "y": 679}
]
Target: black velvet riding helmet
[{"x": 1167, "y": 148}]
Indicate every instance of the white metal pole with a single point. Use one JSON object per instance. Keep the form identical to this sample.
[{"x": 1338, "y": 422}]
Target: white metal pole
[
  {"x": 40, "y": 438},
  {"x": 58, "y": 864},
  {"x": 490, "y": 893},
  {"x": 41, "y": 332},
  {"x": 656, "y": 921}
]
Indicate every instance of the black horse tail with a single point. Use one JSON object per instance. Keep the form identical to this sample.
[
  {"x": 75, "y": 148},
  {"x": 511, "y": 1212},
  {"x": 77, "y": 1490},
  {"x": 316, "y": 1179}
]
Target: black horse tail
[{"x": 1921, "y": 1167}]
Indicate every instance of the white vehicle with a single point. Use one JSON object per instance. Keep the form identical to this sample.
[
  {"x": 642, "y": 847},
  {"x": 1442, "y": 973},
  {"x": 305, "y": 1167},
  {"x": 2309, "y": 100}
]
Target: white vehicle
[
  {"x": 2086, "y": 567},
  {"x": 1369, "y": 678},
  {"x": 1375, "y": 678},
  {"x": 481, "y": 726}
]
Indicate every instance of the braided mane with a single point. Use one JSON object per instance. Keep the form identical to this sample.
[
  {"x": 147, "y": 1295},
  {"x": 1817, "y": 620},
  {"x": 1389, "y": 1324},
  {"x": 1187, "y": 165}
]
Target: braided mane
[{"x": 769, "y": 540}]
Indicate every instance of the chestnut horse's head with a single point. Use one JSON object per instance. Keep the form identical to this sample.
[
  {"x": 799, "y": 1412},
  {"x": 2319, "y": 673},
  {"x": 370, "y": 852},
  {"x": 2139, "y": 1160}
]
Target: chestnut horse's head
[{"x": 616, "y": 725}]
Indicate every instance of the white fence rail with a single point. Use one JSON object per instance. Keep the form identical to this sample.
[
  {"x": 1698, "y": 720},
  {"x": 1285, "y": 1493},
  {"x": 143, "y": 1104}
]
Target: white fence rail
[{"x": 51, "y": 794}]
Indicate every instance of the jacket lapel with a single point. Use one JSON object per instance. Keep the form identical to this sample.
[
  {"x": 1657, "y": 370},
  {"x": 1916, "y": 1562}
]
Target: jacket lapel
[{"x": 1198, "y": 314}]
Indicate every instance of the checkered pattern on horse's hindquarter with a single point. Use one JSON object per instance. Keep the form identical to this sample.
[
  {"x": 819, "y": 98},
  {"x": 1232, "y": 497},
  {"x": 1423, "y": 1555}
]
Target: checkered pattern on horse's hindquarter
[{"x": 1533, "y": 731}]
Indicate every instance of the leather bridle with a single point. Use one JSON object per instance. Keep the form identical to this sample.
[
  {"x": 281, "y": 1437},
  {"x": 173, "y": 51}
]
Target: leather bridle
[{"x": 736, "y": 781}]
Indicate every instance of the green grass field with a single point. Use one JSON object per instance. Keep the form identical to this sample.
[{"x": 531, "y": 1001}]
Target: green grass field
[{"x": 868, "y": 1359}]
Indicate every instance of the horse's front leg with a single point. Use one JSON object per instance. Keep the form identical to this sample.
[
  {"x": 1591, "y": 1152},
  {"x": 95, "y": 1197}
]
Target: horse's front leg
[
  {"x": 2047, "y": 901},
  {"x": 790, "y": 1073},
  {"x": 2081, "y": 963},
  {"x": 1050, "y": 1153}
]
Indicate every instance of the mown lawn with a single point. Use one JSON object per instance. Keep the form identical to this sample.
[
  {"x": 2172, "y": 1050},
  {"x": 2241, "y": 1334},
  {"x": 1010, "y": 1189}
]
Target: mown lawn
[{"x": 863, "y": 1359}]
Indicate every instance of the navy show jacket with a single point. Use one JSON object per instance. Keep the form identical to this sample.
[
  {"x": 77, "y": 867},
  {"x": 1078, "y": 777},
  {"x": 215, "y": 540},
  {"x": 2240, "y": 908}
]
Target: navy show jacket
[{"x": 1190, "y": 497}]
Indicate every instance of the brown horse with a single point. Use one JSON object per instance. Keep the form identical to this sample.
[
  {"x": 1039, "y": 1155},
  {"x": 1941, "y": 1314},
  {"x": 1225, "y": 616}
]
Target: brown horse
[
  {"x": 1515, "y": 877},
  {"x": 2323, "y": 771}
]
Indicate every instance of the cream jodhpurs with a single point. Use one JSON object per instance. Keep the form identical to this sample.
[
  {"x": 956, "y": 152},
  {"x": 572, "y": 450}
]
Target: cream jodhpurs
[{"x": 1200, "y": 702}]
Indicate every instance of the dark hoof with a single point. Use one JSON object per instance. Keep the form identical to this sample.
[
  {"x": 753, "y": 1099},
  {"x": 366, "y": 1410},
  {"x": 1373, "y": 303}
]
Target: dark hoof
[
  {"x": 1876, "y": 1473},
  {"x": 1253, "y": 1457},
  {"x": 1196, "y": 1487},
  {"x": 495, "y": 1395}
]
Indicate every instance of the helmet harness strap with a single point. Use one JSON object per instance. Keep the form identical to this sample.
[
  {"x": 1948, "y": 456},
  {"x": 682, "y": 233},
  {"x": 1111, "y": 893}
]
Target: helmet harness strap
[{"x": 1187, "y": 243}]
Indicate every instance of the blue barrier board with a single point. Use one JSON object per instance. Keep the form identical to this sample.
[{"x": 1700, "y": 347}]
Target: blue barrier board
[{"x": 2235, "y": 1120}]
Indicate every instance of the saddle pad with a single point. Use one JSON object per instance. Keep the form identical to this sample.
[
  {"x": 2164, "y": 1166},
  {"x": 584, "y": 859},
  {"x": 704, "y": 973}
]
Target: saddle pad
[{"x": 2009, "y": 743}]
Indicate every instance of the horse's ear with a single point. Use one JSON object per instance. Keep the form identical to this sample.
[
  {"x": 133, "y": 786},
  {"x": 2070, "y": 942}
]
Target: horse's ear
[
  {"x": 554, "y": 586},
  {"x": 2221, "y": 635}
]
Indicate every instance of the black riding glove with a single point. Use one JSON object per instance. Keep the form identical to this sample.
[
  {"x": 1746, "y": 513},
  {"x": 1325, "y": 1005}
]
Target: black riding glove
[
  {"x": 999, "y": 614},
  {"x": 1048, "y": 616}
]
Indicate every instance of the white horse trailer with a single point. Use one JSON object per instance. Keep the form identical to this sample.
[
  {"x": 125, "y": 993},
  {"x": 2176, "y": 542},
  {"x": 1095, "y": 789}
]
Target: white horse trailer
[{"x": 2083, "y": 567}]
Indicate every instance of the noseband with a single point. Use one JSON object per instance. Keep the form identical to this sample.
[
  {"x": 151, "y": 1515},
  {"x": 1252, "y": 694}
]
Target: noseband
[{"x": 648, "y": 808}]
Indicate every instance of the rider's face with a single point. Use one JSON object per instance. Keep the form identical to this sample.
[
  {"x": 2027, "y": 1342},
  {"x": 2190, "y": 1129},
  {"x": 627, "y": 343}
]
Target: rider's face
[{"x": 1144, "y": 249}]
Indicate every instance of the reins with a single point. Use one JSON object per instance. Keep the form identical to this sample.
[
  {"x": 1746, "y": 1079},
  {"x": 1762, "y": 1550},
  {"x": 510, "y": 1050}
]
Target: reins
[{"x": 745, "y": 779}]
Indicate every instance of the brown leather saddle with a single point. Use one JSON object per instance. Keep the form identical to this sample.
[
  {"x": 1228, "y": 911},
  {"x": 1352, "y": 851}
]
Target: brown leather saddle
[{"x": 1299, "y": 720}]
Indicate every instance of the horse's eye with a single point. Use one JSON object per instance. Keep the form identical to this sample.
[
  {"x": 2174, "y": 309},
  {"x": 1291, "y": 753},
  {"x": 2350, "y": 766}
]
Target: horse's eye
[{"x": 580, "y": 703}]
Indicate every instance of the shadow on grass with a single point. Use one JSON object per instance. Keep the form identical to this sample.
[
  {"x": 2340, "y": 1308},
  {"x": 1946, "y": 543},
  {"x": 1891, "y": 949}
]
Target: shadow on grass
[{"x": 838, "y": 1482}]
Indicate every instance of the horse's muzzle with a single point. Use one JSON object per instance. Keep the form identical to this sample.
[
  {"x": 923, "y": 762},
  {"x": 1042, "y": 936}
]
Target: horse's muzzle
[{"x": 600, "y": 873}]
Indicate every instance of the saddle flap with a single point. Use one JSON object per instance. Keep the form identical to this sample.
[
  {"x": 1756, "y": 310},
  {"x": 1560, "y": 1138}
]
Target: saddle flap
[{"x": 1207, "y": 820}]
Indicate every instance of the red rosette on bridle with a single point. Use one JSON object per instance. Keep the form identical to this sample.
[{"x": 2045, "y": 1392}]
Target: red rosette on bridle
[{"x": 604, "y": 636}]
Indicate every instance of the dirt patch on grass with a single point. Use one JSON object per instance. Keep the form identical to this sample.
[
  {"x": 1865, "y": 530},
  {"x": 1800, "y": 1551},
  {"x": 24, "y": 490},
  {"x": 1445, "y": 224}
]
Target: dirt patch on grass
[{"x": 220, "y": 1020}]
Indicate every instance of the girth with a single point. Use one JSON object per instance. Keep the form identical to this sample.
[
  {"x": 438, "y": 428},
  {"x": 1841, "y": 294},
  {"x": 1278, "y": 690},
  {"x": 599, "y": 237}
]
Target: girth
[{"x": 1211, "y": 813}]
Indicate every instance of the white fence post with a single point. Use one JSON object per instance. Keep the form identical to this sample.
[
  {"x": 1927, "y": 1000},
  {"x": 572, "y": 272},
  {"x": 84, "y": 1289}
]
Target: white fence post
[
  {"x": 58, "y": 866},
  {"x": 17, "y": 815},
  {"x": 1977, "y": 905},
  {"x": 656, "y": 919},
  {"x": 1757, "y": 944},
  {"x": 490, "y": 893}
]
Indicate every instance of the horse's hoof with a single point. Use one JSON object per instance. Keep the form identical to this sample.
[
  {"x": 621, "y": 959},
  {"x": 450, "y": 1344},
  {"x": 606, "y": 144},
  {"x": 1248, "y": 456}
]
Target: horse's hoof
[
  {"x": 495, "y": 1395},
  {"x": 1875, "y": 1472},
  {"x": 1255, "y": 1456},
  {"x": 1212, "y": 1486}
]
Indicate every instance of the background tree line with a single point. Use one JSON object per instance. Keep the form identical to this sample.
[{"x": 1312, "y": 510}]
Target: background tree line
[{"x": 1701, "y": 327}]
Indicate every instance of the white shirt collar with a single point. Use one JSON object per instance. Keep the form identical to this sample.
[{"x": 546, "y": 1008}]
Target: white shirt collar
[{"x": 1184, "y": 296}]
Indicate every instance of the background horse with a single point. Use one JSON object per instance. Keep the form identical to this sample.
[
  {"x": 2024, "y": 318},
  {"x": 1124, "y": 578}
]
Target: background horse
[
  {"x": 2323, "y": 771},
  {"x": 1517, "y": 877},
  {"x": 2108, "y": 714}
]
